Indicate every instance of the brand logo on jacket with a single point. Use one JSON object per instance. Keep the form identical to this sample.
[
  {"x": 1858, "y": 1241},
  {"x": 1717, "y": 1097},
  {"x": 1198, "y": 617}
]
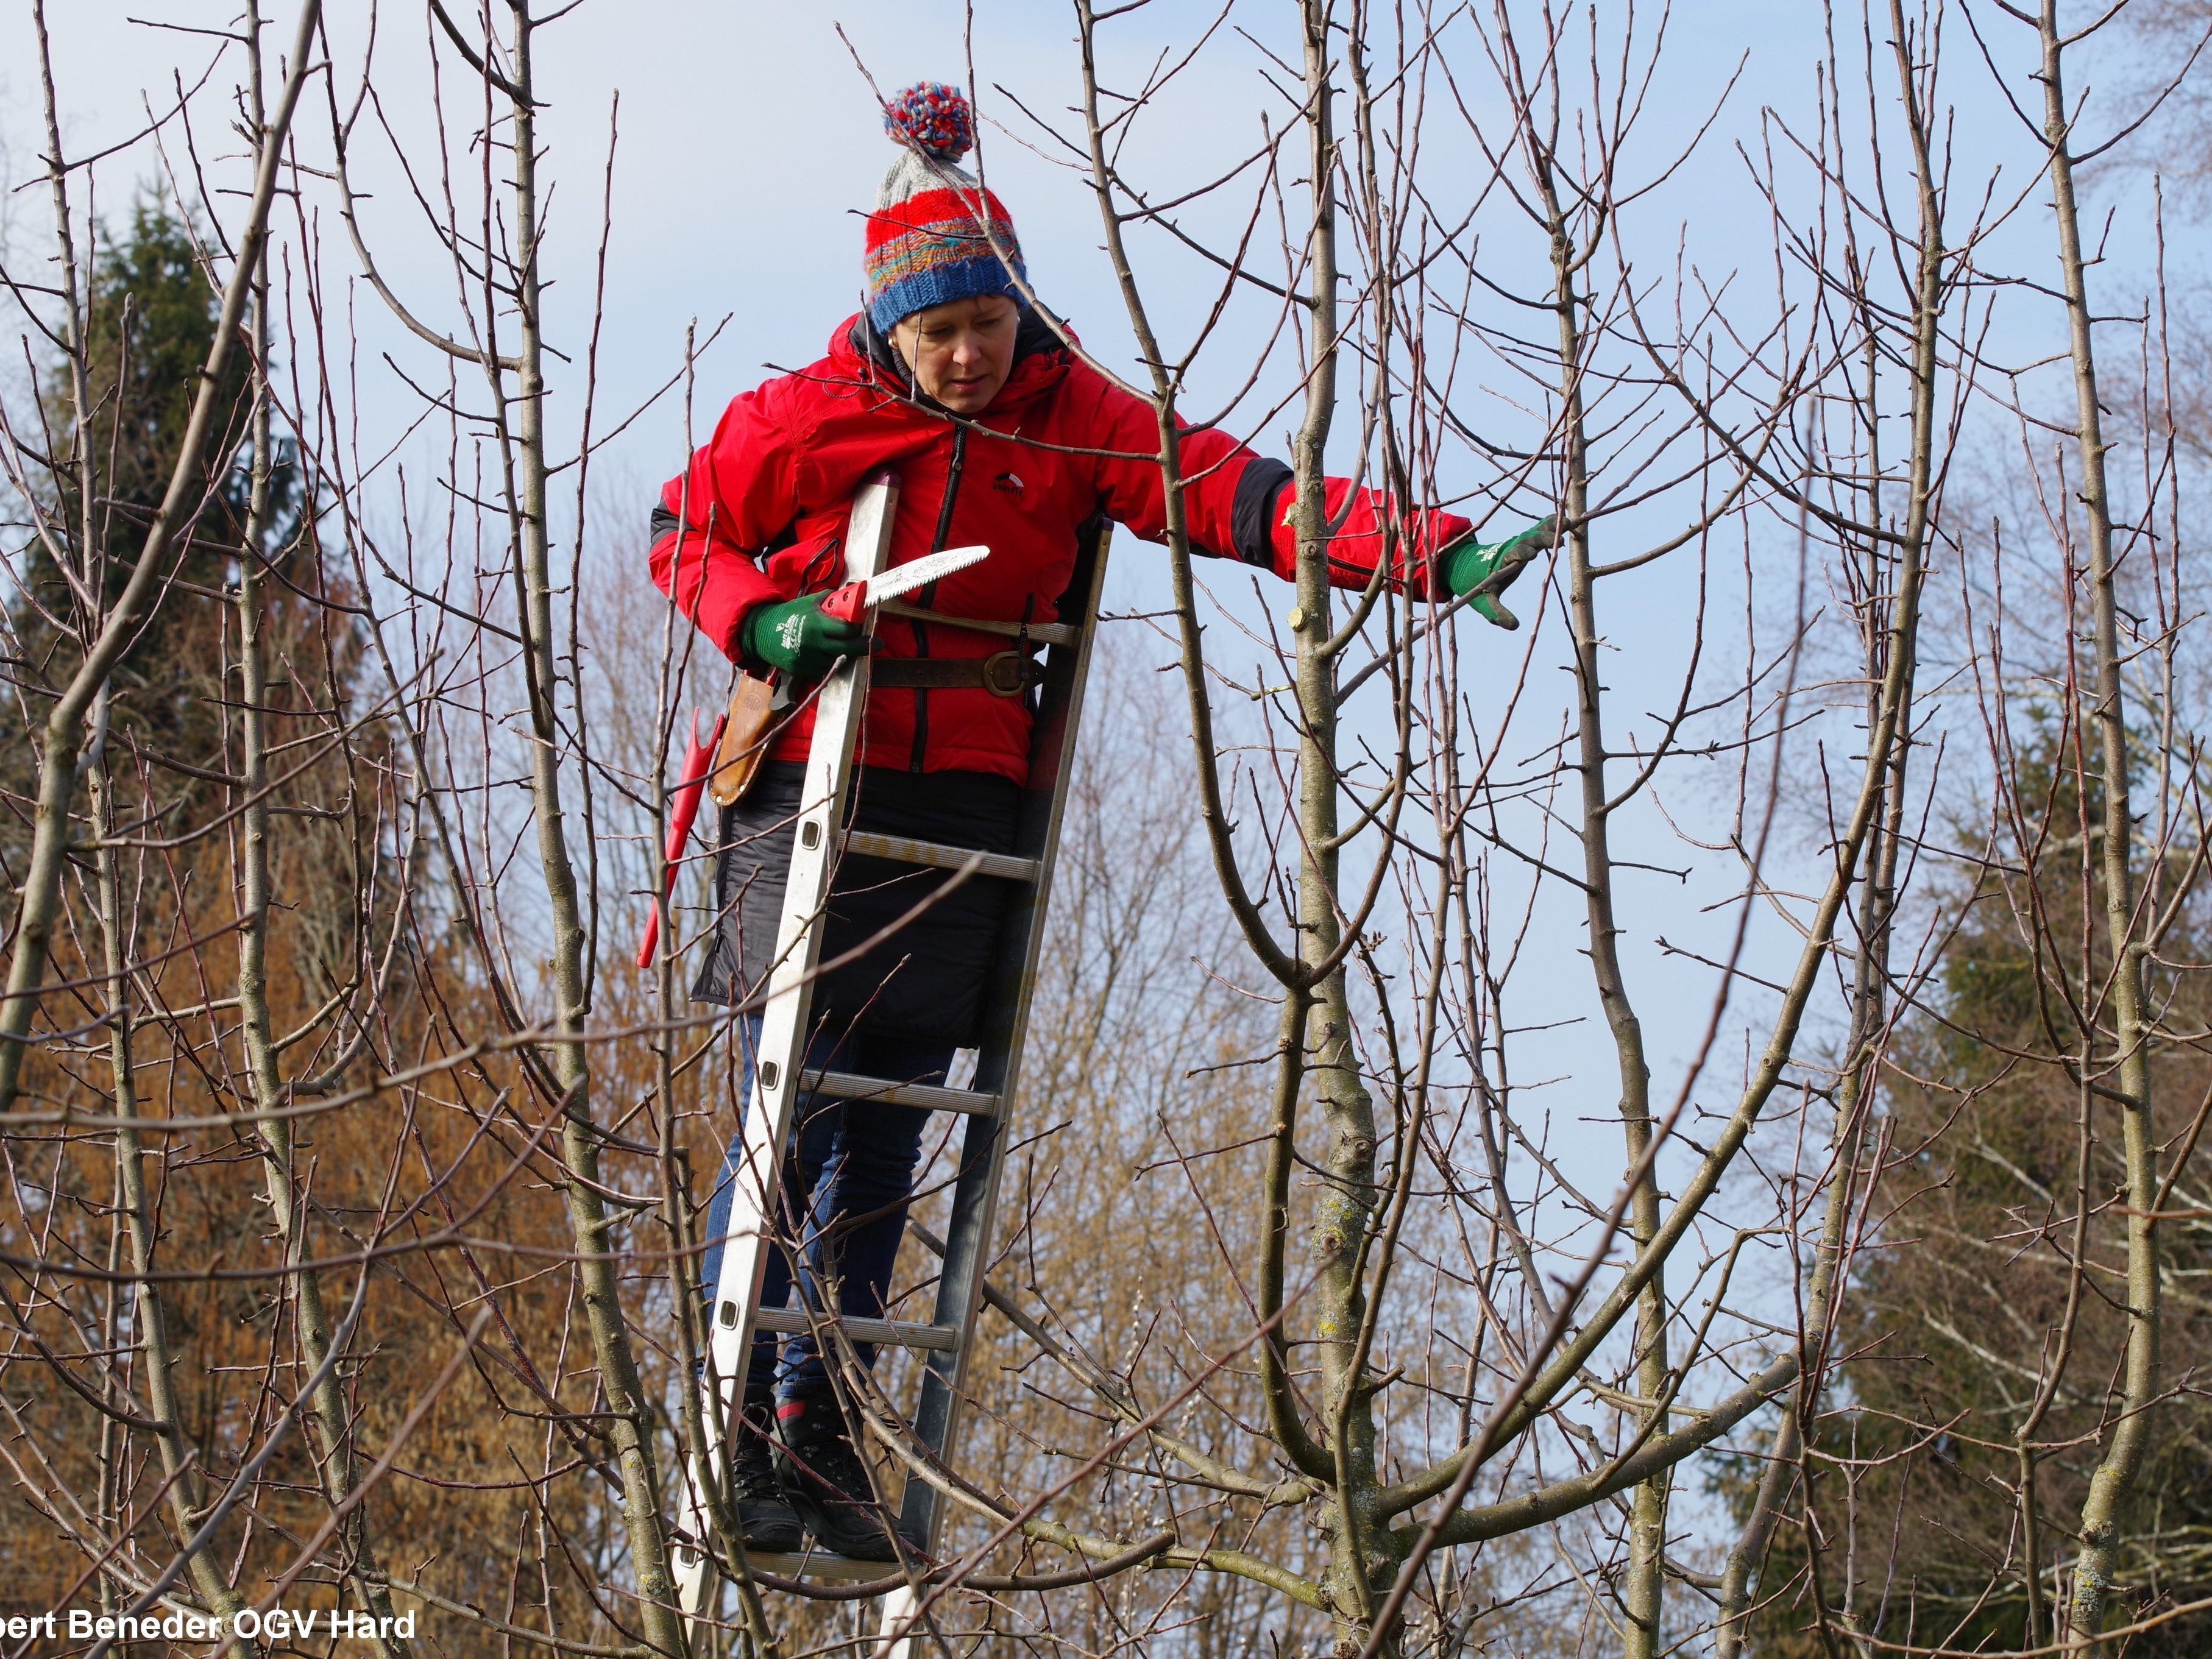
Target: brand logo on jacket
[{"x": 1009, "y": 481}]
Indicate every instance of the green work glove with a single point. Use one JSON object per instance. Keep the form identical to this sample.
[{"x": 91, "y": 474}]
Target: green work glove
[
  {"x": 793, "y": 636},
  {"x": 1480, "y": 571}
]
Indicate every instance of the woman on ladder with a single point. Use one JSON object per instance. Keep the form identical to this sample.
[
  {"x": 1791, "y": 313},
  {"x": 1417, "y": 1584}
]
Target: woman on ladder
[{"x": 1000, "y": 436}]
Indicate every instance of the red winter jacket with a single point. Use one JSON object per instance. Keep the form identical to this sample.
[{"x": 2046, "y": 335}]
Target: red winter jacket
[{"x": 762, "y": 510}]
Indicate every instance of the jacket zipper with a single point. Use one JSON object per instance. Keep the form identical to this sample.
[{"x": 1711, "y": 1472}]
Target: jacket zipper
[{"x": 929, "y": 594}]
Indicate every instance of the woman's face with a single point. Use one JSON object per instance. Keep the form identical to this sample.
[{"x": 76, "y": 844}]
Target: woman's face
[{"x": 960, "y": 352}]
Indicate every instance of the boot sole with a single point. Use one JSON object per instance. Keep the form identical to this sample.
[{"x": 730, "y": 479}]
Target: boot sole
[
  {"x": 776, "y": 1538},
  {"x": 837, "y": 1539}
]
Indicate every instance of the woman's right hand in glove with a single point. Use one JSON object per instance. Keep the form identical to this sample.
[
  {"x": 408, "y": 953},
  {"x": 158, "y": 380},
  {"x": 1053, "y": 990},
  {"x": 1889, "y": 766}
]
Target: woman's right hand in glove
[{"x": 795, "y": 636}]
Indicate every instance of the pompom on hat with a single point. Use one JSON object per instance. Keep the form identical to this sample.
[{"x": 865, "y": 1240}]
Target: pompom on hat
[
  {"x": 928, "y": 242},
  {"x": 933, "y": 118}
]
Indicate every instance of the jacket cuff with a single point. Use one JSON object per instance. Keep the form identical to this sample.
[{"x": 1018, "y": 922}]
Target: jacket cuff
[{"x": 1254, "y": 513}]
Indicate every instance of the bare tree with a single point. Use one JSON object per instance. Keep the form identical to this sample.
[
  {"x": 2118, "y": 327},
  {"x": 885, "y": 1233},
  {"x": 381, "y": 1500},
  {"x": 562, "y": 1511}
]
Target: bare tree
[{"x": 1353, "y": 1294}]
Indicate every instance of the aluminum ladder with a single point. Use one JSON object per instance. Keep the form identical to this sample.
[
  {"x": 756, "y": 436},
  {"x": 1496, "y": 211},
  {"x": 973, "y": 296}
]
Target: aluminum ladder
[{"x": 781, "y": 1079}]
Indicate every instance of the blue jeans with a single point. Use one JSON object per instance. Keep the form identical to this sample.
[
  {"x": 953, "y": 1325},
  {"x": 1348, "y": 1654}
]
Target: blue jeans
[{"x": 849, "y": 1169}]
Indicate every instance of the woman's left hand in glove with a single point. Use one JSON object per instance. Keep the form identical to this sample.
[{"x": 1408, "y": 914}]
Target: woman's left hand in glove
[{"x": 1479, "y": 571}]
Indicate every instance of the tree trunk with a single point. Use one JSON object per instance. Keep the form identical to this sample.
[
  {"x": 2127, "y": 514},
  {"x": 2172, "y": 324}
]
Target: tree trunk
[
  {"x": 1360, "y": 1565},
  {"x": 336, "y": 1464},
  {"x": 626, "y": 1414},
  {"x": 1644, "y": 1591},
  {"x": 2113, "y": 1485}
]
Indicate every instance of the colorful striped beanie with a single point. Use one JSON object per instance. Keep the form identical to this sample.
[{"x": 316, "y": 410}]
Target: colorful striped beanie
[{"x": 926, "y": 244}]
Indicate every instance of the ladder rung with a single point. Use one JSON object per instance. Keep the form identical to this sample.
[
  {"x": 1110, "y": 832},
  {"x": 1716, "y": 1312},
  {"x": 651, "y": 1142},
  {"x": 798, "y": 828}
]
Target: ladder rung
[
  {"x": 820, "y": 1564},
  {"x": 891, "y": 1333},
  {"x": 943, "y": 858},
  {"x": 845, "y": 1086}
]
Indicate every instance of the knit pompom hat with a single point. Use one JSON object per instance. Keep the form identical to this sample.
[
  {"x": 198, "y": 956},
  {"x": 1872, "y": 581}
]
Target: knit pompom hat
[{"x": 928, "y": 241}]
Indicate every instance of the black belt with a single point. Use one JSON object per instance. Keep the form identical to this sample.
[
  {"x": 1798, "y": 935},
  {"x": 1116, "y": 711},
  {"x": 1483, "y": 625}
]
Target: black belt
[{"x": 1004, "y": 674}]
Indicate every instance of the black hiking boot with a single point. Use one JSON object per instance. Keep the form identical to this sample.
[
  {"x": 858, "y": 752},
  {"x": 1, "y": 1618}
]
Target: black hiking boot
[
  {"x": 766, "y": 1521},
  {"x": 827, "y": 1483}
]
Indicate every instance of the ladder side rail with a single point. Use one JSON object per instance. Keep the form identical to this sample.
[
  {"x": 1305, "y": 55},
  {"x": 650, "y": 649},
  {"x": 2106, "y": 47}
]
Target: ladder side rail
[
  {"x": 778, "y": 1058},
  {"x": 974, "y": 1204}
]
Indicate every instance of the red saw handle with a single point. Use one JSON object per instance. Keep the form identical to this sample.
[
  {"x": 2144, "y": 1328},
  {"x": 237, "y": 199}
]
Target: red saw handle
[
  {"x": 682, "y": 810},
  {"x": 847, "y": 603}
]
